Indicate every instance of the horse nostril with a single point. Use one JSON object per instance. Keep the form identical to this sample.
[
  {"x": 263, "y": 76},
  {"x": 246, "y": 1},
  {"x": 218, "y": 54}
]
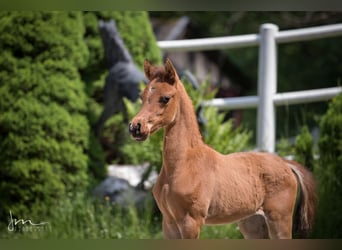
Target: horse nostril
[
  {"x": 137, "y": 129},
  {"x": 134, "y": 129}
]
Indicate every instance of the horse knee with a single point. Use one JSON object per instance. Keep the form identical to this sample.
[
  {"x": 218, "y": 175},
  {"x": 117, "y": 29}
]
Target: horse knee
[
  {"x": 190, "y": 227},
  {"x": 170, "y": 229}
]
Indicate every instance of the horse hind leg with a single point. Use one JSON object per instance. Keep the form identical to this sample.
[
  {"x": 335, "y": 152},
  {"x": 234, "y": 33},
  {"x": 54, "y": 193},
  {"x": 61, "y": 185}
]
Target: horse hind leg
[
  {"x": 254, "y": 227},
  {"x": 279, "y": 214},
  {"x": 280, "y": 228}
]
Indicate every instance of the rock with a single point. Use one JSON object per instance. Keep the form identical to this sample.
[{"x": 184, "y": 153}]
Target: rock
[
  {"x": 133, "y": 174},
  {"x": 121, "y": 186},
  {"x": 119, "y": 191}
]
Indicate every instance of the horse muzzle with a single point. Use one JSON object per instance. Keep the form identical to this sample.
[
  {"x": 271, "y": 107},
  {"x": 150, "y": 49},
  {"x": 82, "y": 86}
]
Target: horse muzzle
[{"x": 136, "y": 132}]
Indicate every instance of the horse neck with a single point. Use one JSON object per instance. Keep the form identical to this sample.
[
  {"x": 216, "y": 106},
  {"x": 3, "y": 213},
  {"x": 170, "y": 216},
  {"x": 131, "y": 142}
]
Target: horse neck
[{"x": 183, "y": 133}]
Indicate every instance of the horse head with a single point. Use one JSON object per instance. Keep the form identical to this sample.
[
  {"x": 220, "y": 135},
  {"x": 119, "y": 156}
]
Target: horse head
[{"x": 159, "y": 101}]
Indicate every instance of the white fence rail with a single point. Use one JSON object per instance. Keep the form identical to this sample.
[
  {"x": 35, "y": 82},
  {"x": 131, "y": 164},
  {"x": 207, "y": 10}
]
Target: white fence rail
[
  {"x": 230, "y": 42},
  {"x": 267, "y": 98},
  {"x": 286, "y": 98}
]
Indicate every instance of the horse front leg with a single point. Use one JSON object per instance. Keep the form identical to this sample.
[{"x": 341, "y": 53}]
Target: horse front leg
[
  {"x": 190, "y": 227},
  {"x": 186, "y": 228},
  {"x": 170, "y": 229}
]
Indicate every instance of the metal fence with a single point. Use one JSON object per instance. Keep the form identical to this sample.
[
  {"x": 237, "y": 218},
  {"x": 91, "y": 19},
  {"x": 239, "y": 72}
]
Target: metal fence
[{"x": 267, "y": 98}]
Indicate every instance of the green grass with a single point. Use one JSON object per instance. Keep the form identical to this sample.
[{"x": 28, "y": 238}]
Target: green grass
[
  {"x": 79, "y": 217},
  {"x": 229, "y": 231}
]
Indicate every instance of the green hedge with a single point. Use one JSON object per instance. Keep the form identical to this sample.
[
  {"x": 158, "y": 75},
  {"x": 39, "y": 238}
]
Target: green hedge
[
  {"x": 51, "y": 77},
  {"x": 329, "y": 172},
  {"x": 43, "y": 126},
  {"x": 325, "y": 159}
]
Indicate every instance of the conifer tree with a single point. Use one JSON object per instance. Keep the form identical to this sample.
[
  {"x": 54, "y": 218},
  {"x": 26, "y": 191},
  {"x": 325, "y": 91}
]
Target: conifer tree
[{"x": 43, "y": 125}]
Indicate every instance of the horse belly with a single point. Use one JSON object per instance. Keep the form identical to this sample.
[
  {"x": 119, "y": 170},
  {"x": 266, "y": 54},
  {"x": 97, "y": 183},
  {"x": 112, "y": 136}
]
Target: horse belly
[
  {"x": 235, "y": 203},
  {"x": 225, "y": 217}
]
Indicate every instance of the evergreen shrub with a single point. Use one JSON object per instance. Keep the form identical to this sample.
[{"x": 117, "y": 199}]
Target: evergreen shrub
[
  {"x": 43, "y": 125},
  {"x": 329, "y": 172}
]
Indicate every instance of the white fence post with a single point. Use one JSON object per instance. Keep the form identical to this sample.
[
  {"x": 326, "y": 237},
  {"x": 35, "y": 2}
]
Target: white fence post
[{"x": 267, "y": 88}]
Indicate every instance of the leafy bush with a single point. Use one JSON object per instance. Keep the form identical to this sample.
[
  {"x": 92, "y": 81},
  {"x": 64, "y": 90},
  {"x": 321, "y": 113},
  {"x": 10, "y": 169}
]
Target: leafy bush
[
  {"x": 43, "y": 127},
  {"x": 330, "y": 145},
  {"x": 326, "y": 167},
  {"x": 304, "y": 148},
  {"x": 329, "y": 172}
]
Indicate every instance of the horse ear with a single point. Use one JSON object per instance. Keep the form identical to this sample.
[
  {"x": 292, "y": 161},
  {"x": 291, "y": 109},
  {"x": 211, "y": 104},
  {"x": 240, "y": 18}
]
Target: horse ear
[
  {"x": 148, "y": 69},
  {"x": 171, "y": 76}
]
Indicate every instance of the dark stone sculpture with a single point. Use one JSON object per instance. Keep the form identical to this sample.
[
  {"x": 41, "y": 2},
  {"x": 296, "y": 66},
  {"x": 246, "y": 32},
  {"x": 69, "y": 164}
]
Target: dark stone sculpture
[{"x": 123, "y": 78}]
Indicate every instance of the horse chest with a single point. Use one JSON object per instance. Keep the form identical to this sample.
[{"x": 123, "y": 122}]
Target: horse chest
[
  {"x": 171, "y": 203},
  {"x": 162, "y": 195}
]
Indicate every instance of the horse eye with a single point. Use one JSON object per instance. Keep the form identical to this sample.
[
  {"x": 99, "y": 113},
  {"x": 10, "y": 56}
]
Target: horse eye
[{"x": 164, "y": 99}]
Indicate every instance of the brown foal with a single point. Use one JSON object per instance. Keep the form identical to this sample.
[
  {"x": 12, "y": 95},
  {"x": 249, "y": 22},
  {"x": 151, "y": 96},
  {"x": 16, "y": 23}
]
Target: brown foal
[{"x": 198, "y": 185}]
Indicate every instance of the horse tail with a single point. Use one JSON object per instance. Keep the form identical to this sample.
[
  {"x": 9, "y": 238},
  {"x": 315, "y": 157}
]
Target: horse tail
[{"x": 304, "y": 214}]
